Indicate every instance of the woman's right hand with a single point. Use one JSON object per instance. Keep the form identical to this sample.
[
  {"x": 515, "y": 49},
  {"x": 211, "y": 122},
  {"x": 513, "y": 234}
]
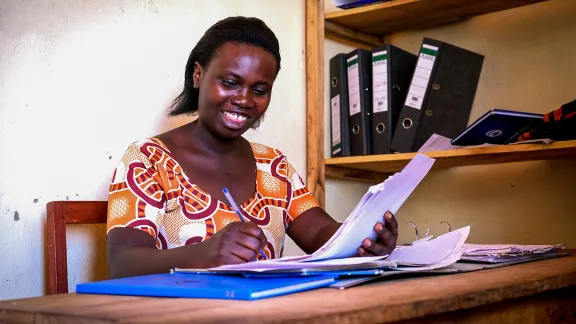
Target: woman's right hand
[{"x": 235, "y": 243}]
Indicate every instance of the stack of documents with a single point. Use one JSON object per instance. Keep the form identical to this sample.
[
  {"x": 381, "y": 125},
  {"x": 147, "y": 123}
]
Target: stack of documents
[
  {"x": 386, "y": 196},
  {"x": 429, "y": 254},
  {"x": 495, "y": 253}
]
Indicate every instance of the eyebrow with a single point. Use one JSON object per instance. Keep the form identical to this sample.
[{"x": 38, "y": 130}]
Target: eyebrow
[{"x": 235, "y": 75}]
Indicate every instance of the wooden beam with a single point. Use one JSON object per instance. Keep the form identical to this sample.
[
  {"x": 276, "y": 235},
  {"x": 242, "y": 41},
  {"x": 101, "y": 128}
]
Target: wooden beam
[
  {"x": 315, "y": 98},
  {"x": 337, "y": 172},
  {"x": 350, "y": 36}
]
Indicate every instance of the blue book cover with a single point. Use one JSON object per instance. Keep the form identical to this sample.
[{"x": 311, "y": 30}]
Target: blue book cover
[
  {"x": 187, "y": 285},
  {"x": 497, "y": 127}
]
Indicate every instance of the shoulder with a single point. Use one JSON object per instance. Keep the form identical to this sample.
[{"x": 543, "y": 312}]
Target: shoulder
[
  {"x": 148, "y": 151},
  {"x": 266, "y": 153},
  {"x": 273, "y": 161}
]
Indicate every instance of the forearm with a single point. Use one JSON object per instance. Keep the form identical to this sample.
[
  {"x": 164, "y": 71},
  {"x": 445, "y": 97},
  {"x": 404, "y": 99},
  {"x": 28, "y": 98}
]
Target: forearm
[
  {"x": 137, "y": 261},
  {"x": 325, "y": 234},
  {"x": 133, "y": 252}
]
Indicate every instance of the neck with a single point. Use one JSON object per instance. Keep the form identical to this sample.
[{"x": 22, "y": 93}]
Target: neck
[{"x": 211, "y": 144}]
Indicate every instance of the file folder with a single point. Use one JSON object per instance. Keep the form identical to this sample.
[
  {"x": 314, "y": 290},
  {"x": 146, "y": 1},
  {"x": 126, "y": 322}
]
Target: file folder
[
  {"x": 497, "y": 126},
  {"x": 359, "y": 70},
  {"x": 392, "y": 68},
  {"x": 186, "y": 285},
  {"x": 440, "y": 96},
  {"x": 339, "y": 121}
]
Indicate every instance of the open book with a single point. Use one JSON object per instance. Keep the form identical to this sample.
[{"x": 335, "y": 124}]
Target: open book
[{"x": 386, "y": 196}]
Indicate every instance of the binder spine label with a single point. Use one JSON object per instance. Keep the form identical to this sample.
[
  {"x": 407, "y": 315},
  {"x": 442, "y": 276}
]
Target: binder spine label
[
  {"x": 353, "y": 85},
  {"x": 380, "y": 81},
  {"x": 335, "y": 112},
  {"x": 421, "y": 76}
]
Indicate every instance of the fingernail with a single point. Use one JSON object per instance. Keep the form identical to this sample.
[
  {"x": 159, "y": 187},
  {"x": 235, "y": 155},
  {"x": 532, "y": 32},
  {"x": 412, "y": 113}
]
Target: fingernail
[
  {"x": 388, "y": 215},
  {"x": 367, "y": 242},
  {"x": 361, "y": 251},
  {"x": 379, "y": 227}
]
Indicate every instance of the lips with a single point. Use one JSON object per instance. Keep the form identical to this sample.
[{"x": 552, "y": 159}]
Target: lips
[{"x": 234, "y": 120}]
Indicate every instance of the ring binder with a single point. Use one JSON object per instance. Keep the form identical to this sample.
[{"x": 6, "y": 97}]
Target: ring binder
[
  {"x": 407, "y": 123},
  {"x": 429, "y": 231},
  {"x": 449, "y": 227}
]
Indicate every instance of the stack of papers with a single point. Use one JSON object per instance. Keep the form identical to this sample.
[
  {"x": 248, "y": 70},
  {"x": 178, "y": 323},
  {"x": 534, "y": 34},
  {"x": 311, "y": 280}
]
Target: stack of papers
[
  {"x": 495, "y": 253},
  {"x": 386, "y": 196},
  {"x": 348, "y": 266},
  {"x": 429, "y": 254}
]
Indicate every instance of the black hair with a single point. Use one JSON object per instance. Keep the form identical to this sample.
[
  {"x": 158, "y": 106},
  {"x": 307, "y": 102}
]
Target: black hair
[{"x": 242, "y": 30}]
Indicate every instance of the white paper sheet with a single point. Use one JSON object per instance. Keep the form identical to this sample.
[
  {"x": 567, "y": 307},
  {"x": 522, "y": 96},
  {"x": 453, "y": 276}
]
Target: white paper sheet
[
  {"x": 432, "y": 251},
  {"x": 386, "y": 196}
]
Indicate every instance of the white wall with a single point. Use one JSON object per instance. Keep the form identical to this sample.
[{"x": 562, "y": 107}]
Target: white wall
[
  {"x": 529, "y": 66},
  {"x": 79, "y": 81}
]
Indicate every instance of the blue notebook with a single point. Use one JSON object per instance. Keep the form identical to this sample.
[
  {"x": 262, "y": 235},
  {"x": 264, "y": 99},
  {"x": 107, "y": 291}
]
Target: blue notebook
[
  {"x": 204, "y": 286},
  {"x": 497, "y": 127}
]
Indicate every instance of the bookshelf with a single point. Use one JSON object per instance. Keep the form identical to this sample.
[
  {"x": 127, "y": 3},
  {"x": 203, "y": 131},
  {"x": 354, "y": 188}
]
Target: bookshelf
[
  {"x": 377, "y": 167},
  {"x": 366, "y": 27}
]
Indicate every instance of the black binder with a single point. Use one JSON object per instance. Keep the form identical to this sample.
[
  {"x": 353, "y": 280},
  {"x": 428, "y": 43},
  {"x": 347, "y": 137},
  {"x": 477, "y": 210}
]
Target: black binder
[
  {"x": 440, "y": 96},
  {"x": 392, "y": 70},
  {"x": 359, "y": 70},
  {"x": 339, "y": 121}
]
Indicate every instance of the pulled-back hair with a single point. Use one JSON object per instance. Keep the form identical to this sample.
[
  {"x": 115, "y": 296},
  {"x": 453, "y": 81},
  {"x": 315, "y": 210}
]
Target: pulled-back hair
[{"x": 240, "y": 30}]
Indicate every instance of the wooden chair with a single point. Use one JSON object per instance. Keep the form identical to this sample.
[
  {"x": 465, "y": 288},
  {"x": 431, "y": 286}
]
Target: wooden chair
[{"x": 59, "y": 214}]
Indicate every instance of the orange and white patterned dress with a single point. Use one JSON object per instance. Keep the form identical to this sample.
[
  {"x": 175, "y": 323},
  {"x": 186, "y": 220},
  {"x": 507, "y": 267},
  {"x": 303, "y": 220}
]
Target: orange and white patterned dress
[{"x": 150, "y": 192}]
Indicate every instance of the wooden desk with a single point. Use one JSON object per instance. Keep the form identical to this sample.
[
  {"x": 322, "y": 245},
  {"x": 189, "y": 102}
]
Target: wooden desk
[{"x": 536, "y": 292}]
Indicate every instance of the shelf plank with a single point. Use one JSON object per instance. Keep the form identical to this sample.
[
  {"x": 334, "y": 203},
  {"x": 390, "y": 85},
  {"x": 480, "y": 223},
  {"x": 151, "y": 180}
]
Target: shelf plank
[
  {"x": 395, "y": 16},
  {"x": 350, "y": 36},
  {"x": 390, "y": 163}
]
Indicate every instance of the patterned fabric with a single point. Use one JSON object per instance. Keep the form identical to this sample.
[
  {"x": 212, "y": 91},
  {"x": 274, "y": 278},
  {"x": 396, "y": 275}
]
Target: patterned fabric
[
  {"x": 150, "y": 192},
  {"x": 558, "y": 125}
]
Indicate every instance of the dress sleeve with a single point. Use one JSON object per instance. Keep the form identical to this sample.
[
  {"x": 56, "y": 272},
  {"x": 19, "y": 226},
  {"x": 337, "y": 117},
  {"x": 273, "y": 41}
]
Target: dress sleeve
[
  {"x": 301, "y": 199},
  {"x": 136, "y": 195}
]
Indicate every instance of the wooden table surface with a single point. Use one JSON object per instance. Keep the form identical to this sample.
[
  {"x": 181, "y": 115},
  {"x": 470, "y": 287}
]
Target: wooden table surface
[{"x": 528, "y": 293}]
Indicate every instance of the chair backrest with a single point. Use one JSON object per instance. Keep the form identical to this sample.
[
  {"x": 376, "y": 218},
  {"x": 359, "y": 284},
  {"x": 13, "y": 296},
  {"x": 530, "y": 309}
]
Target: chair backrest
[{"x": 60, "y": 213}]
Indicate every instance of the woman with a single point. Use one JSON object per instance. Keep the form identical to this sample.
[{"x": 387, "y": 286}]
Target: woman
[{"x": 166, "y": 206}]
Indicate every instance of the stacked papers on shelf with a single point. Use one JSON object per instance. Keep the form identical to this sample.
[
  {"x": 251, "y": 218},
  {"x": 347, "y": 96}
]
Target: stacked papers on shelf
[{"x": 506, "y": 252}]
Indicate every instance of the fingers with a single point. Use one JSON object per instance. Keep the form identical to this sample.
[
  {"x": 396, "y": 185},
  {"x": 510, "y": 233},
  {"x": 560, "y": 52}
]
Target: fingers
[
  {"x": 391, "y": 223},
  {"x": 250, "y": 242},
  {"x": 243, "y": 253},
  {"x": 250, "y": 229},
  {"x": 387, "y": 237},
  {"x": 256, "y": 232},
  {"x": 374, "y": 248}
]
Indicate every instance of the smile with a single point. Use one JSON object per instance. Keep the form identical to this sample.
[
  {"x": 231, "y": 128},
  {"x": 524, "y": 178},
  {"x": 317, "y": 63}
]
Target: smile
[
  {"x": 235, "y": 116},
  {"x": 233, "y": 120}
]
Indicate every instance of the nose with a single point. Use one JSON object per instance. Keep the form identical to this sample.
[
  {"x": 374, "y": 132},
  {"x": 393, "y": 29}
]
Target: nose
[{"x": 242, "y": 99}]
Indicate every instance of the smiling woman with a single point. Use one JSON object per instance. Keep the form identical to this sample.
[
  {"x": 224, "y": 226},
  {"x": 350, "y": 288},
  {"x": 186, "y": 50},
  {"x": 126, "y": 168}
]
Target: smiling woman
[{"x": 166, "y": 205}]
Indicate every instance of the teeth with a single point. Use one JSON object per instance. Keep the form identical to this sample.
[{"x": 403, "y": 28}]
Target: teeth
[{"x": 235, "y": 116}]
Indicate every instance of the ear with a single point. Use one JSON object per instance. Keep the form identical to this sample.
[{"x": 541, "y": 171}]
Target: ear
[{"x": 197, "y": 75}]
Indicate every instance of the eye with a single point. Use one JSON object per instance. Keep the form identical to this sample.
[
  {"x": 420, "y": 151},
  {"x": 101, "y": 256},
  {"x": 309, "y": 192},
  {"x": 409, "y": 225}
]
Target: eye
[
  {"x": 228, "y": 83},
  {"x": 260, "y": 92}
]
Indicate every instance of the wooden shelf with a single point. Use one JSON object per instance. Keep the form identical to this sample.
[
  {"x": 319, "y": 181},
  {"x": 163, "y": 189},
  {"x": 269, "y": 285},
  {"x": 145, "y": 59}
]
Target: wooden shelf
[
  {"x": 374, "y": 168},
  {"x": 369, "y": 25}
]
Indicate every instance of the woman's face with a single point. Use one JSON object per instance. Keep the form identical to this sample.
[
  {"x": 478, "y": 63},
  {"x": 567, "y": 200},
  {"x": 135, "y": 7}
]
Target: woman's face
[{"x": 235, "y": 88}]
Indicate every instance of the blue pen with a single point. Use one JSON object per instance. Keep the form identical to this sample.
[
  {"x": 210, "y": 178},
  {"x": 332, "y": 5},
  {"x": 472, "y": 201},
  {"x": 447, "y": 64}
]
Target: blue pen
[{"x": 237, "y": 210}]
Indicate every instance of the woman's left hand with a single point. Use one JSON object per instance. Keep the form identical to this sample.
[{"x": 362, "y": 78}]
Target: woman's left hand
[{"x": 386, "y": 240}]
